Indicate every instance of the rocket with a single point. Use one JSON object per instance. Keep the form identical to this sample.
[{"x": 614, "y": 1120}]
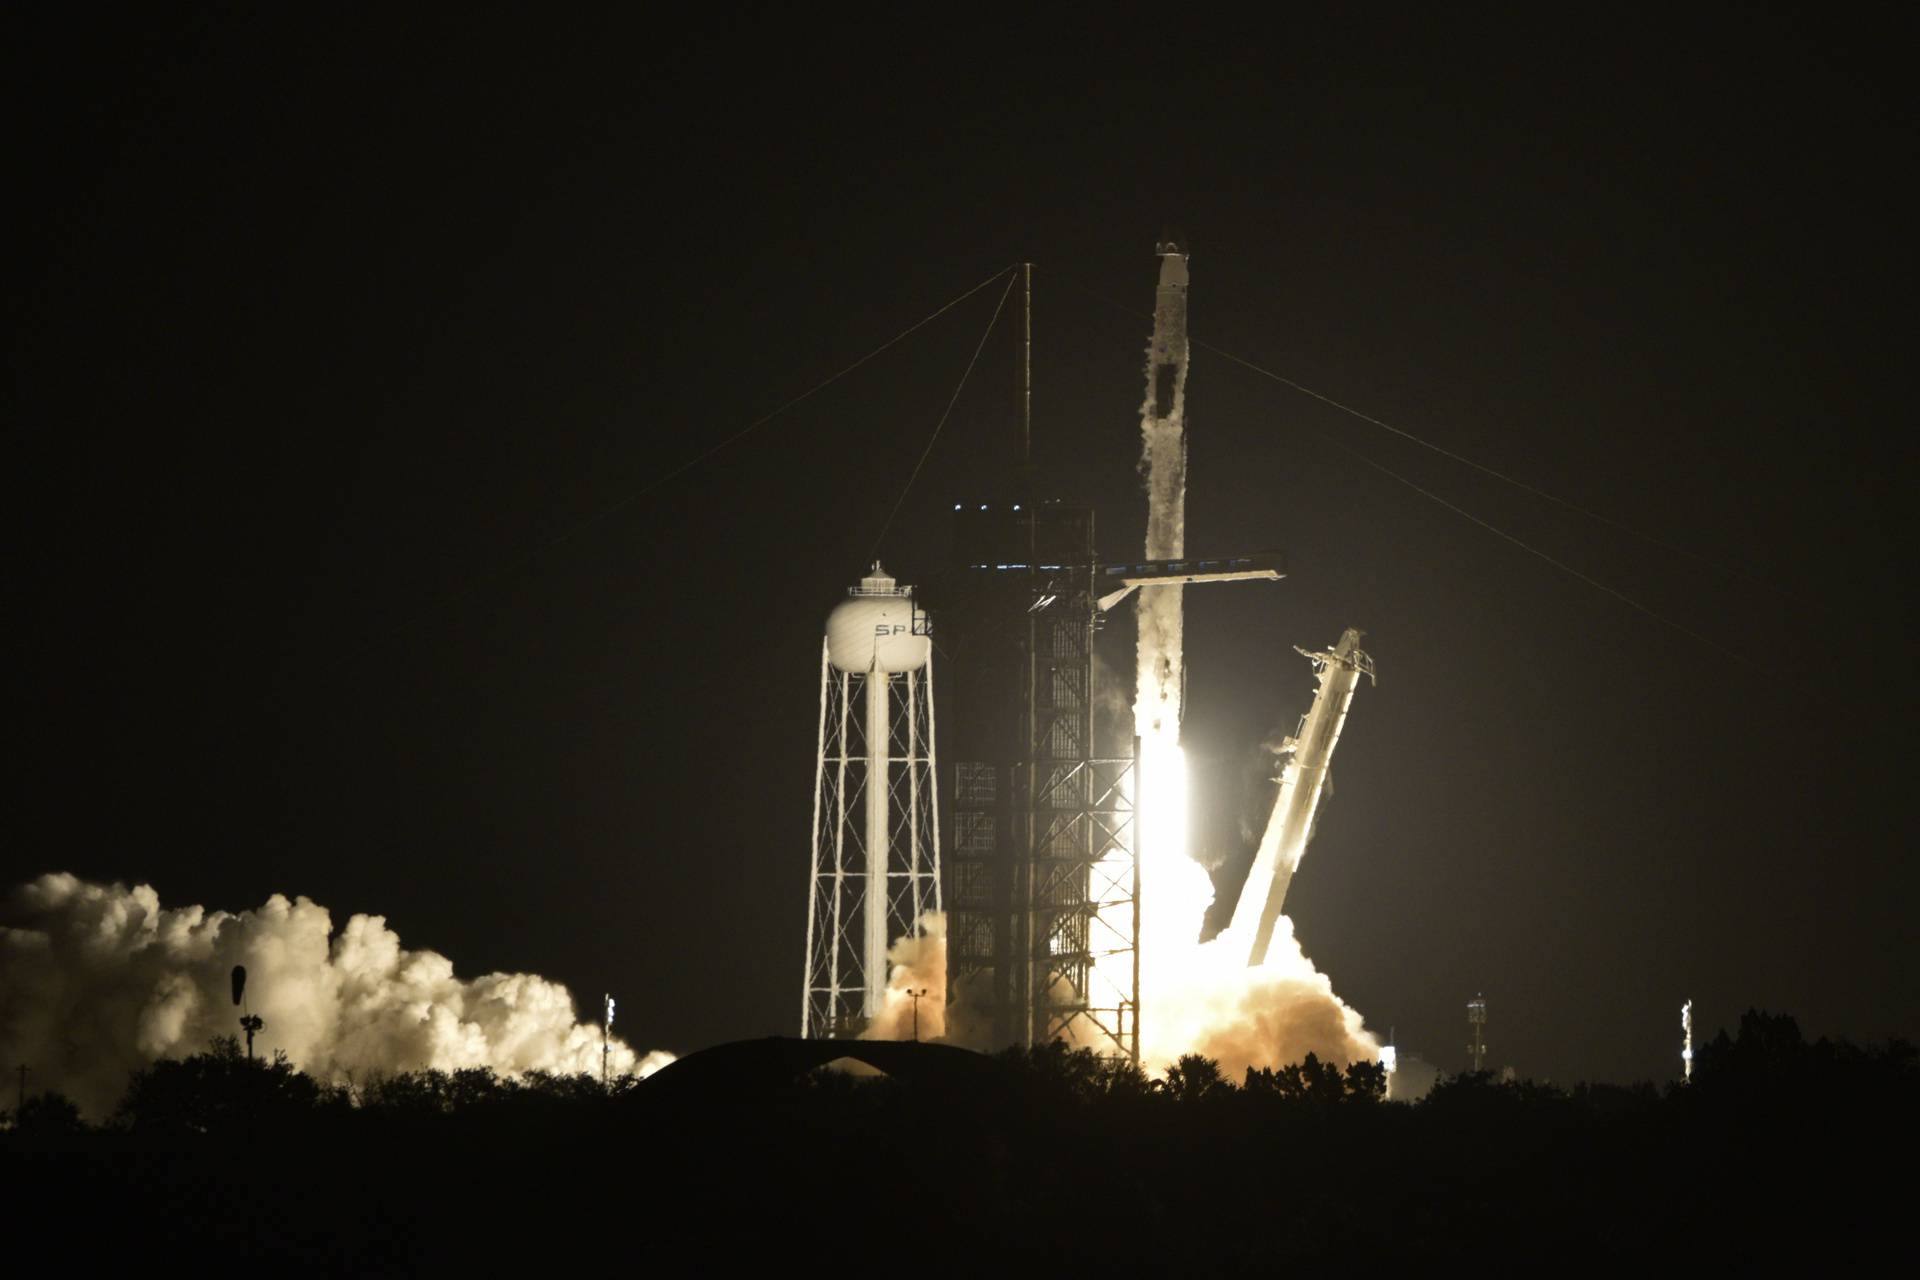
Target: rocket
[
  {"x": 1167, "y": 358},
  {"x": 1302, "y": 781},
  {"x": 1163, "y": 462}
]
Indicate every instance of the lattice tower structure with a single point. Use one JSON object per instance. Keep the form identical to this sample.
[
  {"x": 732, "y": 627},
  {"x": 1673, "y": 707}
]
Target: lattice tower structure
[{"x": 1043, "y": 935}]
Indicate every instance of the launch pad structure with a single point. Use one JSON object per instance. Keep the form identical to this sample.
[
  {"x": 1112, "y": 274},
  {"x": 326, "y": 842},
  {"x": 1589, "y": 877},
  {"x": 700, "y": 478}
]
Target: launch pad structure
[
  {"x": 1042, "y": 827},
  {"x": 1043, "y": 857}
]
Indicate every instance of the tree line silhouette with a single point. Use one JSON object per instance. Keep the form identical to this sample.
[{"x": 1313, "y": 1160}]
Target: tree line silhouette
[{"x": 1780, "y": 1147}]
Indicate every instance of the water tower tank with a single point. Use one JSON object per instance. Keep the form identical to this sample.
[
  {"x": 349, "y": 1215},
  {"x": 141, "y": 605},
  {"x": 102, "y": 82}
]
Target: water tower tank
[{"x": 874, "y": 628}]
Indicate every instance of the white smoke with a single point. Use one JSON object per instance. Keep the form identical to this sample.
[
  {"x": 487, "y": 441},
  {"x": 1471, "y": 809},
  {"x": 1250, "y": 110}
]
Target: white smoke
[
  {"x": 1203, "y": 997},
  {"x": 1412, "y": 1080},
  {"x": 1270, "y": 1015},
  {"x": 97, "y": 980},
  {"x": 917, "y": 962}
]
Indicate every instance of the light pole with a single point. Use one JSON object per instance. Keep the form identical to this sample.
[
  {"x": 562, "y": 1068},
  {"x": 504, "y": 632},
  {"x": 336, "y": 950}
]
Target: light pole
[
  {"x": 915, "y": 995},
  {"x": 249, "y": 1021}
]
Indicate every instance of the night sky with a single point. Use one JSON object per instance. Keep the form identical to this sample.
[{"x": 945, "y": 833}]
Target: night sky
[{"x": 349, "y": 353}]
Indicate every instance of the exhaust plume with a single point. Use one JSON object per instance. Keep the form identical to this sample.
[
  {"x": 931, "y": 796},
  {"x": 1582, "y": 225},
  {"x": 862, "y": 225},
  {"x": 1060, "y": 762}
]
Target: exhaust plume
[
  {"x": 1269, "y": 1015},
  {"x": 916, "y": 962},
  {"x": 97, "y": 980}
]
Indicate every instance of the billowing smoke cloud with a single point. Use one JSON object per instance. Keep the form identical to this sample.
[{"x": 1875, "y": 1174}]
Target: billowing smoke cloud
[
  {"x": 915, "y": 962},
  {"x": 1266, "y": 1016},
  {"x": 97, "y": 980}
]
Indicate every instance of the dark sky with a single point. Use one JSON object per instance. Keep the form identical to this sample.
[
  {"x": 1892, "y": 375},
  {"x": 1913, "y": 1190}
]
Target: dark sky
[{"x": 345, "y": 350}]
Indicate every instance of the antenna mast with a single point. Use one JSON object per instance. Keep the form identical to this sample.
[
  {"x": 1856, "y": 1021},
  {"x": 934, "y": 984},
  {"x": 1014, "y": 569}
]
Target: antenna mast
[{"x": 1026, "y": 412}]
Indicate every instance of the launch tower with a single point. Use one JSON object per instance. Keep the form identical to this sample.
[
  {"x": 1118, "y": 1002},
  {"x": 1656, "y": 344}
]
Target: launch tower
[
  {"x": 1042, "y": 940},
  {"x": 876, "y": 849},
  {"x": 1046, "y": 852}
]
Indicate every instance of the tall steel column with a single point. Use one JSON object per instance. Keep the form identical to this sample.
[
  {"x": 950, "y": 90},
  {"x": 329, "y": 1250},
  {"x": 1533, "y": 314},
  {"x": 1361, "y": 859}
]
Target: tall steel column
[
  {"x": 1477, "y": 1032},
  {"x": 1085, "y": 875}
]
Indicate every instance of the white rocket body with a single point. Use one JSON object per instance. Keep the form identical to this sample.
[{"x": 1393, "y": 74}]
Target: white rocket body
[{"x": 1163, "y": 462}]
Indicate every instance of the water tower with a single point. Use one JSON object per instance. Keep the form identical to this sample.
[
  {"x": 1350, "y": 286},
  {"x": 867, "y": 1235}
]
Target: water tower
[{"x": 876, "y": 854}]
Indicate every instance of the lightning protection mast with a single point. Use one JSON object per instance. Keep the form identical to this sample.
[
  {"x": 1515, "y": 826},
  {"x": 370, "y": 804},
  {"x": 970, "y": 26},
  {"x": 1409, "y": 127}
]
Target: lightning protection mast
[{"x": 876, "y": 854}]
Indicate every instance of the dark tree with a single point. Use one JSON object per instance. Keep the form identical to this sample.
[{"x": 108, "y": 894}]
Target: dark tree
[
  {"x": 49, "y": 1118},
  {"x": 222, "y": 1091},
  {"x": 1196, "y": 1079}
]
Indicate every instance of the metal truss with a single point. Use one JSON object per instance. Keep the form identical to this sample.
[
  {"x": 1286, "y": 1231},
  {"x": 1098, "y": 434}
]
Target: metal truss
[
  {"x": 1083, "y": 876},
  {"x": 1086, "y": 887},
  {"x": 846, "y": 975},
  {"x": 1045, "y": 929}
]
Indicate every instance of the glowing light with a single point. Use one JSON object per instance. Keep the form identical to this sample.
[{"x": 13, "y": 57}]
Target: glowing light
[
  {"x": 1686, "y": 1045},
  {"x": 1174, "y": 888}
]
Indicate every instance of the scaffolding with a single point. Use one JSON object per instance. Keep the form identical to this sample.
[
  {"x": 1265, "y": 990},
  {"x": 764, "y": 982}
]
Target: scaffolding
[{"x": 1043, "y": 937}]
